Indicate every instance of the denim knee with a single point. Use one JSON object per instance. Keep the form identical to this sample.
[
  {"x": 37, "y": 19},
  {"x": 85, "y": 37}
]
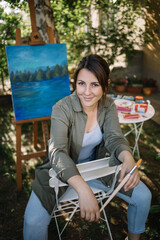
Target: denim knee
[
  {"x": 31, "y": 221},
  {"x": 35, "y": 213},
  {"x": 143, "y": 196}
]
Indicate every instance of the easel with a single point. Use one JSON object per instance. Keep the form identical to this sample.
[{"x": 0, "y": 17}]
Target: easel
[{"x": 35, "y": 40}]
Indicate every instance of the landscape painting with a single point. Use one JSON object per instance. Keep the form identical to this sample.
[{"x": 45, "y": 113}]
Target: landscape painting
[{"x": 39, "y": 78}]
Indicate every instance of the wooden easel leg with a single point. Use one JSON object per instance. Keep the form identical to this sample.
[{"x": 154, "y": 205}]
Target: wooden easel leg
[
  {"x": 35, "y": 133},
  {"x": 18, "y": 164},
  {"x": 50, "y": 35},
  {"x": 45, "y": 133},
  {"x": 18, "y": 37}
]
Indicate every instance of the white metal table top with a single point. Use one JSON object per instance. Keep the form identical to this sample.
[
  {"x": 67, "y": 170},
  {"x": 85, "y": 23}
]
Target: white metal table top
[
  {"x": 130, "y": 104},
  {"x": 142, "y": 116}
]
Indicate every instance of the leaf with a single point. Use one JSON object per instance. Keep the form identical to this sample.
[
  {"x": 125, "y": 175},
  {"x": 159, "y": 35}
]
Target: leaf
[
  {"x": 155, "y": 209},
  {"x": 158, "y": 156},
  {"x": 84, "y": 227},
  {"x": 115, "y": 221}
]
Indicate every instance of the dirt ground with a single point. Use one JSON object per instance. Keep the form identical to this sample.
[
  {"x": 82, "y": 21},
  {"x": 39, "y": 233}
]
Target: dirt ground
[{"x": 13, "y": 203}]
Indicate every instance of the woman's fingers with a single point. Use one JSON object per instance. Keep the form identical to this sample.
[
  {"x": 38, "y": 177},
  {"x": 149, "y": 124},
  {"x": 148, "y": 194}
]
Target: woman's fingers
[
  {"x": 128, "y": 164},
  {"x": 90, "y": 215},
  {"x": 97, "y": 215},
  {"x": 83, "y": 213},
  {"x": 132, "y": 181}
]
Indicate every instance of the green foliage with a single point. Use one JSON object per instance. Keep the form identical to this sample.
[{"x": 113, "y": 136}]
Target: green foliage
[
  {"x": 7, "y": 164},
  {"x": 155, "y": 209},
  {"x": 158, "y": 156},
  {"x": 9, "y": 22},
  {"x": 116, "y": 33},
  {"x": 121, "y": 82},
  {"x": 17, "y": 3},
  {"x": 134, "y": 81},
  {"x": 152, "y": 234},
  {"x": 8, "y": 25}
]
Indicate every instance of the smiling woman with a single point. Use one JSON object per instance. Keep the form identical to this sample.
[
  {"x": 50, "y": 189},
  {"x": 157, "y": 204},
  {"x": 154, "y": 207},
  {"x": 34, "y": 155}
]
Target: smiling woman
[
  {"x": 91, "y": 79},
  {"x": 97, "y": 66},
  {"x": 88, "y": 89},
  {"x": 84, "y": 126}
]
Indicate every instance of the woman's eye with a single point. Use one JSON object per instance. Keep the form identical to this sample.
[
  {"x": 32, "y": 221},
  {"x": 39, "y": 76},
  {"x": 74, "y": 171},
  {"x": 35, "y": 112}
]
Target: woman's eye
[
  {"x": 81, "y": 83},
  {"x": 95, "y": 85}
]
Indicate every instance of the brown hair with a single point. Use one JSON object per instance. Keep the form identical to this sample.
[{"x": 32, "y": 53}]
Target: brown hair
[{"x": 99, "y": 67}]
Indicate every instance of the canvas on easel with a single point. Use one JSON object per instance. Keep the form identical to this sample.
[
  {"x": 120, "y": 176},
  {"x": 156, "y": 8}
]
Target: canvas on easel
[{"x": 39, "y": 78}]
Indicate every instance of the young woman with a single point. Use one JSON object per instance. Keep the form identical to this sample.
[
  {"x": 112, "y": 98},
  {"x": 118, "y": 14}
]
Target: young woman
[{"x": 84, "y": 126}]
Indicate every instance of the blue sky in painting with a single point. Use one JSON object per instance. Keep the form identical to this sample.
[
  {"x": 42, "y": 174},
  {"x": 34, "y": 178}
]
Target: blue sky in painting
[{"x": 32, "y": 57}]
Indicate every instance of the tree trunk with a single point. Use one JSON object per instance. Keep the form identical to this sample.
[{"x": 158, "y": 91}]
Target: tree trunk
[
  {"x": 44, "y": 19},
  {"x": 2, "y": 78}
]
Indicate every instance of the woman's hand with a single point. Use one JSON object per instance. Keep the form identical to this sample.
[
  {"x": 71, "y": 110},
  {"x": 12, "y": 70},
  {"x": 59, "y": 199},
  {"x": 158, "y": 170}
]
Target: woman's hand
[
  {"x": 89, "y": 205},
  {"x": 87, "y": 201},
  {"x": 128, "y": 164}
]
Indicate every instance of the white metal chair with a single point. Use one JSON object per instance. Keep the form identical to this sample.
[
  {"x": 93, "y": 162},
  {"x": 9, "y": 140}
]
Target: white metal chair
[{"x": 68, "y": 204}]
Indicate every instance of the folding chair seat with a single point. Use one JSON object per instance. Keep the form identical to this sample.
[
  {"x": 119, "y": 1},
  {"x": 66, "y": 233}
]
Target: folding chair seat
[{"x": 68, "y": 203}]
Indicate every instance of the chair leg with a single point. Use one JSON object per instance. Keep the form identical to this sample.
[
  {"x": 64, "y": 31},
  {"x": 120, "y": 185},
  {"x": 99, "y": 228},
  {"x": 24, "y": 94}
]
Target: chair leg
[
  {"x": 59, "y": 234},
  {"x": 58, "y": 230},
  {"x": 107, "y": 223},
  {"x": 106, "y": 220},
  {"x": 69, "y": 219}
]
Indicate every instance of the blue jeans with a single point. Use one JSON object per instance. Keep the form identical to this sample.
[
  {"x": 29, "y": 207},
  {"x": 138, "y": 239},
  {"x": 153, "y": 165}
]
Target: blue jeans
[{"x": 37, "y": 219}]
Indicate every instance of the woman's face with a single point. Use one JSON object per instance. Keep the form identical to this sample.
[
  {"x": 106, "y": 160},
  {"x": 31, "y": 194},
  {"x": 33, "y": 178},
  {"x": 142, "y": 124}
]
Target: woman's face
[{"x": 88, "y": 89}]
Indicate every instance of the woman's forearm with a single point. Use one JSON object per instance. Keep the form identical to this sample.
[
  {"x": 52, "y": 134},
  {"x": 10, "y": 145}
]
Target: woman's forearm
[
  {"x": 126, "y": 156},
  {"x": 87, "y": 200},
  {"x": 78, "y": 183}
]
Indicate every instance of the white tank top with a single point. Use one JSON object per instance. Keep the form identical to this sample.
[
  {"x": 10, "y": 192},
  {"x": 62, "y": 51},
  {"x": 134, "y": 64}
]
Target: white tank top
[{"x": 90, "y": 141}]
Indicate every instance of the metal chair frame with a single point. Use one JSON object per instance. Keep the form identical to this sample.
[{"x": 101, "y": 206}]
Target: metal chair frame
[{"x": 68, "y": 203}]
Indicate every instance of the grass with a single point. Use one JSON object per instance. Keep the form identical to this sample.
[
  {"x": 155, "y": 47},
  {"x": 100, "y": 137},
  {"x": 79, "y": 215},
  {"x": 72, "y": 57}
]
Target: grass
[{"x": 13, "y": 203}]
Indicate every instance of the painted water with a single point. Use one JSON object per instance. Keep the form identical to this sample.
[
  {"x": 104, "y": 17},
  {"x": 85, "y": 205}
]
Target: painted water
[{"x": 35, "y": 99}]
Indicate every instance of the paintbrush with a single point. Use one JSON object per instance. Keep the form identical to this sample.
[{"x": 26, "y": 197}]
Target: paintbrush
[{"x": 121, "y": 184}]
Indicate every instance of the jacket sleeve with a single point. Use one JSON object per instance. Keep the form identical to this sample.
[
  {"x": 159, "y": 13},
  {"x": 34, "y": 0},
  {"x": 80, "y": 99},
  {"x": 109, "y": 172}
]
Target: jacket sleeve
[
  {"x": 115, "y": 142},
  {"x": 58, "y": 145}
]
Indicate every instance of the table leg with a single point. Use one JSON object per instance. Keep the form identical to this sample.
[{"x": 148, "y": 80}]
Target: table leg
[{"x": 137, "y": 135}]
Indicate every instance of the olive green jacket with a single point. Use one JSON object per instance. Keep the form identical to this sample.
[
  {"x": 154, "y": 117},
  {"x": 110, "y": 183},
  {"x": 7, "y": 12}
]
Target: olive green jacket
[{"x": 67, "y": 130}]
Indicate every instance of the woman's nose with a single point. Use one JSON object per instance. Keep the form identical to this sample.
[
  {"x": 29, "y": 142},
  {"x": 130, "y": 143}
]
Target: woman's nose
[{"x": 87, "y": 90}]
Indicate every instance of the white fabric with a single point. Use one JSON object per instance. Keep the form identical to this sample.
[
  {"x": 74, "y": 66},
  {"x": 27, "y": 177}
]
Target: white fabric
[{"x": 90, "y": 141}]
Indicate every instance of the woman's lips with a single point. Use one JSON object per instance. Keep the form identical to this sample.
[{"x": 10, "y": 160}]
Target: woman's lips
[{"x": 88, "y": 99}]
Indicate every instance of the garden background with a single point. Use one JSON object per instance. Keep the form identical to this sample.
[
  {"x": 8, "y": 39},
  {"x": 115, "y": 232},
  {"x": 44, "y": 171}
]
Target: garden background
[{"x": 126, "y": 33}]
